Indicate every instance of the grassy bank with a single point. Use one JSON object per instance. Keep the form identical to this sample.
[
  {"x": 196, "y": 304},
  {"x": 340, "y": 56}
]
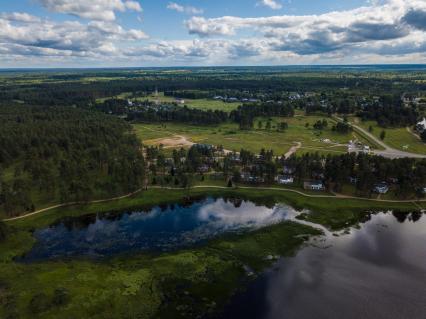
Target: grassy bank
[{"x": 333, "y": 207}]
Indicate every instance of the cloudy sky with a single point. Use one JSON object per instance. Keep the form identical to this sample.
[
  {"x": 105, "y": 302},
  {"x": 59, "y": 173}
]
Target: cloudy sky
[{"x": 104, "y": 33}]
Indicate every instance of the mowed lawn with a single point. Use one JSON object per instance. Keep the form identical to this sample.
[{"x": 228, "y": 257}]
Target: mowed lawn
[
  {"x": 398, "y": 138},
  {"x": 254, "y": 140}
]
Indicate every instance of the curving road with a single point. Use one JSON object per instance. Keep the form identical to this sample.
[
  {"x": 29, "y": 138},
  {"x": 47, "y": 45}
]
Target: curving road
[
  {"x": 388, "y": 151},
  {"x": 282, "y": 189}
]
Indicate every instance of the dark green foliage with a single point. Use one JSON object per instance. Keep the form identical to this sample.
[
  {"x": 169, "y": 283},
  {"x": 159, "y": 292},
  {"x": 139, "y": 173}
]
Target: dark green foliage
[
  {"x": 60, "y": 297},
  {"x": 178, "y": 115},
  {"x": 246, "y": 113},
  {"x": 343, "y": 128},
  {"x": 69, "y": 153},
  {"x": 39, "y": 303},
  {"x": 423, "y": 136},
  {"x": 283, "y": 126},
  {"x": 389, "y": 111},
  {"x": 3, "y": 231},
  {"x": 320, "y": 125}
]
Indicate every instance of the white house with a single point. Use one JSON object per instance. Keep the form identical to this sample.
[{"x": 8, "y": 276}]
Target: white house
[
  {"x": 314, "y": 186},
  {"x": 285, "y": 180},
  {"x": 381, "y": 188},
  {"x": 421, "y": 126}
]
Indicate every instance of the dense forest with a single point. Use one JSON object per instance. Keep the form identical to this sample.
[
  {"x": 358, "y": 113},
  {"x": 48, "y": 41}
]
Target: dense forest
[
  {"x": 390, "y": 112},
  {"x": 63, "y": 154}
]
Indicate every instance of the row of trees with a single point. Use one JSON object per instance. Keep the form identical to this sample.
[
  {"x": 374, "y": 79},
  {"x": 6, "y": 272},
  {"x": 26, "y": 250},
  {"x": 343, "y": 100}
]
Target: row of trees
[{"x": 179, "y": 115}]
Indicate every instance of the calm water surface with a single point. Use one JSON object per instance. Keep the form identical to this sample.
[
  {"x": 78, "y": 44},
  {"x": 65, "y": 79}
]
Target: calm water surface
[
  {"x": 162, "y": 228},
  {"x": 376, "y": 272}
]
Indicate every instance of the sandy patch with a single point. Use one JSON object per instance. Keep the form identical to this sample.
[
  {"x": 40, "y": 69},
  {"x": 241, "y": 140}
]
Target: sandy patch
[{"x": 175, "y": 141}]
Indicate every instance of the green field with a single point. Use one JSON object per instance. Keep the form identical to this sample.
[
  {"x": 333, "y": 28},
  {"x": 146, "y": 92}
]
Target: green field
[
  {"x": 254, "y": 140},
  {"x": 398, "y": 138},
  {"x": 201, "y": 104}
]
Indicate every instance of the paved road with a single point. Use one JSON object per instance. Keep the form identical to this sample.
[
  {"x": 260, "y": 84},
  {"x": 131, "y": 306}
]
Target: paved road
[{"x": 388, "y": 151}]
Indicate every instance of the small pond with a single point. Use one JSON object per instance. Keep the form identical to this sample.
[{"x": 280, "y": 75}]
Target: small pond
[{"x": 161, "y": 228}]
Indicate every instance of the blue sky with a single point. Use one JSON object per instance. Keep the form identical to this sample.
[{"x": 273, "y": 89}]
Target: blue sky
[{"x": 107, "y": 33}]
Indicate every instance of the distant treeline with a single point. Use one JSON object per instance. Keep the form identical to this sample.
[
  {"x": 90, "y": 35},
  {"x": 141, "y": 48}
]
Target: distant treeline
[
  {"x": 149, "y": 112},
  {"x": 74, "y": 90},
  {"x": 245, "y": 114},
  {"x": 179, "y": 115}
]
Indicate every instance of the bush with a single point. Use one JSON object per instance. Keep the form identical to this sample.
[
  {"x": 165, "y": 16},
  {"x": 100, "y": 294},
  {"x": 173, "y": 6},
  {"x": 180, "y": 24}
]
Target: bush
[
  {"x": 3, "y": 231},
  {"x": 61, "y": 297},
  {"x": 39, "y": 303}
]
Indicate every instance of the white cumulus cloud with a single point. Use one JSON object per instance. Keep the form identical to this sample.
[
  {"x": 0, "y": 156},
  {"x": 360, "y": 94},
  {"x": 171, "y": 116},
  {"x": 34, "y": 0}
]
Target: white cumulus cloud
[
  {"x": 91, "y": 9},
  {"x": 184, "y": 9},
  {"x": 274, "y": 5}
]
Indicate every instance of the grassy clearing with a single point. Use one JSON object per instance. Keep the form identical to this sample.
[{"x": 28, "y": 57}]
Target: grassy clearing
[
  {"x": 201, "y": 104},
  {"x": 398, "y": 138},
  {"x": 232, "y": 138}
]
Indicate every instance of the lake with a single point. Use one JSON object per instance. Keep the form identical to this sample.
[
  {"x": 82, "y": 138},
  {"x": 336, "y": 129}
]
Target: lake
[
  {"x": 161, "y": 228},
  {"x": 378, "y": 271}
]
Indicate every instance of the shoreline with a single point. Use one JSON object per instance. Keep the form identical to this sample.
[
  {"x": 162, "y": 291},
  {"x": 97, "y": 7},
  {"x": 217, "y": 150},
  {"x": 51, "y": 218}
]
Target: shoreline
[{"x": 382, "y": 202}]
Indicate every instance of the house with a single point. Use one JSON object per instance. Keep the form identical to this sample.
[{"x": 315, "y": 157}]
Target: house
[
  {"x": 421, "y": 126},
  {"x": 381, "y": 188},
  {"x": 285, "y": 179},
  {"x": 314, "y": 186},
  {"x": 232, "y": 99}
]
